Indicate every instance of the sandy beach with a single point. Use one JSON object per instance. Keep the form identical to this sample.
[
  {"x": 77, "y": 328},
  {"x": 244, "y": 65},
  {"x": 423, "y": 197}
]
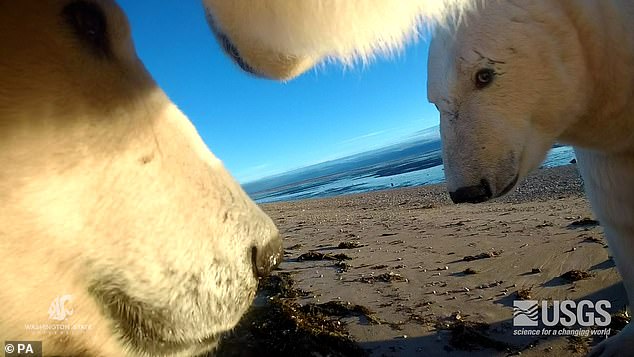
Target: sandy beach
[{"x": 432, "y": 278}]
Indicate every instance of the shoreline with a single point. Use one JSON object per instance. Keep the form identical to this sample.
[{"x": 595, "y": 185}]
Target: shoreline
[{"x": 542, "y": 184}]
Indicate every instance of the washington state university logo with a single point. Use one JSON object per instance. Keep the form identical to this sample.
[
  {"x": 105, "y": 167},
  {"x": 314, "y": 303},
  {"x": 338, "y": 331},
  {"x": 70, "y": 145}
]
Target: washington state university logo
[
  {"x": 525, "y": 313},
  {"x": 59, "y": 309}
]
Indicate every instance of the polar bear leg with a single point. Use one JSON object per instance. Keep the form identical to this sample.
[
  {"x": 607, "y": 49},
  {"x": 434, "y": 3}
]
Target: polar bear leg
[
  {"x": 609, "y": 183},
  {"x": 619, "y": 345}
]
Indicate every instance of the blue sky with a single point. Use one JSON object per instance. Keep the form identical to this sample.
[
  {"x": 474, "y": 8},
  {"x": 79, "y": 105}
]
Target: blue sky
[{"x": 259, "y": 127}]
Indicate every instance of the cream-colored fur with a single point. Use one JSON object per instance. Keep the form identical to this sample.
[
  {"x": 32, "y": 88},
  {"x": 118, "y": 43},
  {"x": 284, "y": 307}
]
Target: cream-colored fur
[
  {"x": 609, "y": 183},
  {"x": 281, "y": 39},
  {"x": 563, "y": 72},
  {"x": 108, "y": 194}
]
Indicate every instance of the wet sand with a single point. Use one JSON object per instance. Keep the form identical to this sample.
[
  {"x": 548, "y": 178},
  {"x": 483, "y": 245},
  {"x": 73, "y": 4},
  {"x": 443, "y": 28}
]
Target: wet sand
[{"x": 441, "y": 278}]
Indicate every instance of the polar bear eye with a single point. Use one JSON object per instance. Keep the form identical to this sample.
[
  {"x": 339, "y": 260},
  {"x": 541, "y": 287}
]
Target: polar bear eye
[
  {"x": 484, "y": 77},
  {"x": 89, "y": 24}
]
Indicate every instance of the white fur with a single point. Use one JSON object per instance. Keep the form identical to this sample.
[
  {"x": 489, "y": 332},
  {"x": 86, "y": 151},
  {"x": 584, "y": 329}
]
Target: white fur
[
  {"x": 609, "y": 183},
  {"x": 108, "y": 194},
  {"x": 281, "y": 38},
  {"x": 564, "y": 73}
]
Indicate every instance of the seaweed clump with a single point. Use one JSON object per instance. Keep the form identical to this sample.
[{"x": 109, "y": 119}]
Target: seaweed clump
[
  {"x": 470, "y": 336},
  {"x": 312, "y": 256},
  {"x": 283, "y": 327},
  {"x": 385, "y": 277},
  {"x": 349, "y": 245},
  {"x": 575, "y": 275}
]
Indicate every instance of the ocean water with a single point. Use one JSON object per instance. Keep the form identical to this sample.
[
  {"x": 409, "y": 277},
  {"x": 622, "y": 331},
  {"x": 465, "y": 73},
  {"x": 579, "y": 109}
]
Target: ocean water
[{"x": 356, "y": 175}]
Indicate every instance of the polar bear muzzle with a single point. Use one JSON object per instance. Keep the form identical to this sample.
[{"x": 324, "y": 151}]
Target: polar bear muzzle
[
  {"x": 479, "y": 193},
  {"x": 110, "y": 197},
  {"x": 255, "y": 60},
  {"x": 472, "y": 194}
]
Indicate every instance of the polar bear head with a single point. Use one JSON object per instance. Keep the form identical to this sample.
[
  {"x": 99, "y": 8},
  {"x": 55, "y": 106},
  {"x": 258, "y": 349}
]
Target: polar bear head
[
  {"x": 508, "y": 80},
  {"x": 115, "y": 216},
  {"x": 280, "y": 39}
]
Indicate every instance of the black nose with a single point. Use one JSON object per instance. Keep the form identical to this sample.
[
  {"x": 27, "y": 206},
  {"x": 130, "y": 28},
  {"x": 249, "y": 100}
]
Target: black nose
[
  {"x": 267, "y": 257},
  {"x": 472, "y": 194}
]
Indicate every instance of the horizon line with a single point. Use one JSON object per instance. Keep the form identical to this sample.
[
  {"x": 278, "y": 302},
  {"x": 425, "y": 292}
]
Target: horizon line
[{"x": 305, "y": 166}]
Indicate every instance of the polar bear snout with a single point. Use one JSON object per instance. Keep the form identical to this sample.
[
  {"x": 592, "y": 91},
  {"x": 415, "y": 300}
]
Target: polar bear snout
[
  {"x": 229, "y": 48},
  {"x": 124, "y": 208},
  {"x": 267, "y": 257},
  {"x": 472, "y": 194},
  {"x": 475, "y": 176},
  {"x": 251, "y": 51},
  {"x": 481, "y": 192},
  {"x": 260, "y": 62}
]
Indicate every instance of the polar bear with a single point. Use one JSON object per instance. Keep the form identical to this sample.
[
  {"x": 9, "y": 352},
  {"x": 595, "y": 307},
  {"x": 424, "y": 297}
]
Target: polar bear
[
  {"x": 121, "y": 234},
  {"x": 508, "y": 77},
  {"x": 516, "y": 76}
]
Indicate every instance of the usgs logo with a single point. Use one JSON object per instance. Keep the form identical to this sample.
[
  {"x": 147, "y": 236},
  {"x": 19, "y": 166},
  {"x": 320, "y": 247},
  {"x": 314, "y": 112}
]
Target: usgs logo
[{"x": 566, "y": 312}]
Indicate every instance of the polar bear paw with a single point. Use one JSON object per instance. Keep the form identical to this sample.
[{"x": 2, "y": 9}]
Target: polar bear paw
[{"x": 620, "y": 345}]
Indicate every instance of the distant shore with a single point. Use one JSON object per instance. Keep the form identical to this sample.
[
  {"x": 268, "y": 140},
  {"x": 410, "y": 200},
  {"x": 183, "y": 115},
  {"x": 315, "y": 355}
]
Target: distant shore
[
  {"x": 543, "y": 184},
  {"x": 401, "y": 166}
]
